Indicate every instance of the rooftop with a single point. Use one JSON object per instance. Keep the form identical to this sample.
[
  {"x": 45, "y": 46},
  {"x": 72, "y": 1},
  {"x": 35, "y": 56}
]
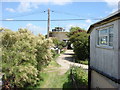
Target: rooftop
[{"x": 111, "y": 16}]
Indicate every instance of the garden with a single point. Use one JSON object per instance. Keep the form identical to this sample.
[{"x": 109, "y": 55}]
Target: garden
[{"x": 28, "y": 61}]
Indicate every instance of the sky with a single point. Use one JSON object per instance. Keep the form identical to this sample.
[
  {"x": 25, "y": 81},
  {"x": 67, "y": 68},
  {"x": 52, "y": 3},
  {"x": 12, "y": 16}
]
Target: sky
[{"x": 59, "y": 10}]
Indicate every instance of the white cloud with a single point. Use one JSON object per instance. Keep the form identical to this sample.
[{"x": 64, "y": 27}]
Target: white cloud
[
  {"x": 28, "y": 6},
  {"x": 24, "y": 7},
  {"x": 81, "y": 25},
  {"x": 114, "y": 10},
  {"x": 88, "y": 21},
  {"x": 9, "y": 19},
  {"x": 112, "y": 4},
  {"x": 60, "y": 2},
  {"x": 10, "y": 9},
  {"x": 36, "y": 29}
]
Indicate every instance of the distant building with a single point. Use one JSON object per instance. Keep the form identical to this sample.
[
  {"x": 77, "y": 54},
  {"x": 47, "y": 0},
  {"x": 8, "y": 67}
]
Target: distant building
[
  {"x": 59, "y": 33},
  {"x": 104, "y": 68},
  {"x": 58, "y": 29}
]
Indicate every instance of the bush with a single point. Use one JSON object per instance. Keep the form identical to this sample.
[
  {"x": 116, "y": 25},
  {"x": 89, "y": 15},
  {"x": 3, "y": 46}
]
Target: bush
[
  {"x": 59, "y": 44},
  {"x": 79, "y": 38},
  {"x": 54, "y": 53},
  {"x": 81, "y": 77},
  {"x": 23, "y": 55}
]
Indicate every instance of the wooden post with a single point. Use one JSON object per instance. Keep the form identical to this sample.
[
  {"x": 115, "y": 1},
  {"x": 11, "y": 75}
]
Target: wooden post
[{"x": 48, "y": 23}]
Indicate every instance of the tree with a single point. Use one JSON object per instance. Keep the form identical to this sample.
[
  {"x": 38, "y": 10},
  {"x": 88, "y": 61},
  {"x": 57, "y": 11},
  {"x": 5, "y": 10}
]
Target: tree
[
  {"x": 79, "y": 38},
  {"x": 23, "y": 55},
  {"x": 59, "y": 44}
]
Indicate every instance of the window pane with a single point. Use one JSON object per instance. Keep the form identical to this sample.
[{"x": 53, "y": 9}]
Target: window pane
[
  {"x": 103, "y": 32},
  {"x": 110, "y": 39},
  {"x": 110, "y": 44},
  {"x": 98, "y": 37},
  {"x": 103, "y": 40},
  {"x": 110, "y": 29}
]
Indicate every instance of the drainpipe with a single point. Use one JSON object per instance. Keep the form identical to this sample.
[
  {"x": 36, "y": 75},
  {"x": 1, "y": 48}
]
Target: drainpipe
[{"x": 89, "y": 69}]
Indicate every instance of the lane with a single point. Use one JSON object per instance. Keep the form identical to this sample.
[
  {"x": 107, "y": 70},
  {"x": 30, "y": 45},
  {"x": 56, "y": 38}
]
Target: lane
[{"x": 66, "y": 61}]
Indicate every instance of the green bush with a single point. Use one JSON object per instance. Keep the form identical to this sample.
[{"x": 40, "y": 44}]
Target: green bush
[
  {"x": 81, "y": 77},
  {"x": 23, "y": 55},
  {"x": 79, "y": 38},
  {"x": 54, "y": 53},
  {"x": 59, "y": 44}
]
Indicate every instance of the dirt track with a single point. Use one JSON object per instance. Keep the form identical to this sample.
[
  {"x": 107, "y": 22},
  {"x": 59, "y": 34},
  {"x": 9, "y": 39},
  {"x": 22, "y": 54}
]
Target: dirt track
[{"x": 66, "y": 61}]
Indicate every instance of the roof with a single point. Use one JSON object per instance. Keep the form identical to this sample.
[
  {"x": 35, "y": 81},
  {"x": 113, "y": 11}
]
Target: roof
[{"x": 106, "y": 19}]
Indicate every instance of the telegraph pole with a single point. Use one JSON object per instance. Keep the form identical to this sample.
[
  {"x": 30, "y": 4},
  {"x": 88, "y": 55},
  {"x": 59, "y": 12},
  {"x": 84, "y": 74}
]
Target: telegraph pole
[{"x": 48, "y": 26}]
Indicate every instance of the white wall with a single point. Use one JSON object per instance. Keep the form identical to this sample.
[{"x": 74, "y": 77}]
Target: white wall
[
  {"x": 105, "y": 59},
  {"x": 99, "y": 81},
  {"x": 119, "y": 47}
]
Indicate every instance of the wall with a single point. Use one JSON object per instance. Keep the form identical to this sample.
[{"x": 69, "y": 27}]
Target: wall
[
  {"x": 98, "y": 80},
  {"x": 105, "y": 59},
  {"x": 59, "y": 35},
  {"x": 119, "y": 47}
]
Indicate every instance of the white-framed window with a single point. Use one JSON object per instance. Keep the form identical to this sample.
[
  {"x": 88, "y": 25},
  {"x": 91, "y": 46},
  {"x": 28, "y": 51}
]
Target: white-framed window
[{"x": 105, "y": 36}]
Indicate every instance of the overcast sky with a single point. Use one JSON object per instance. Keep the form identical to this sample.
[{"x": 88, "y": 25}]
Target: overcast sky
[{"x": 62, "y": 10}]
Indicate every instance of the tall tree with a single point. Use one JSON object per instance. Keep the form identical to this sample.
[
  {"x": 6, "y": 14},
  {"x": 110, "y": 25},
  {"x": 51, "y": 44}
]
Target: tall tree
[{"x": 79, "y": 38}]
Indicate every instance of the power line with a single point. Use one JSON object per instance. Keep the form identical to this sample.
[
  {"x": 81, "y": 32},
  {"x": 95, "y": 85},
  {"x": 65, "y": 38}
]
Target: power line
[
  {"x": 51, "y": 20},
  {"x": 54, "y": 11},
  {"x": 70, "y": 14},
  {"x": 66, "y": 13},
  {"x": 27, "y": 14}
]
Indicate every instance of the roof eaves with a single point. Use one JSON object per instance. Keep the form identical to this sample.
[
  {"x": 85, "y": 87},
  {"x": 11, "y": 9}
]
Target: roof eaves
[{"x": 104, "y": 19}]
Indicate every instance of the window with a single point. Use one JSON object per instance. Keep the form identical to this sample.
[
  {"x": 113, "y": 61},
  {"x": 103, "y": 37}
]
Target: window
[
  {"x": 105, "y": 36},
  {"x": 111, "y": 36}
]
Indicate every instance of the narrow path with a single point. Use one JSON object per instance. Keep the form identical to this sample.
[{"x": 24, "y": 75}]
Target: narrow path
[
  {"x": 56, "y": 76},
  {"x": 66, "y": 61}
]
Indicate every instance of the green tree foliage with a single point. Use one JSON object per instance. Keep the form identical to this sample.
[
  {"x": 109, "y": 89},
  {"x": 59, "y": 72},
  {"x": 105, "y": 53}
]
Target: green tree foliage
[
  {"x": 79, "y": 38},
  {"x": 59, "y": 44},
  {"x": 23, "y": 55}
]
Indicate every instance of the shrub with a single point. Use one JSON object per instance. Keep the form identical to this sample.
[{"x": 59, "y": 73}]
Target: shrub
[
  {"x": 59, "y": 44},
  {"x": 23, "y": 55},
  {"x": 81, "y": 77},
  {"x": 79, "y": 38}
]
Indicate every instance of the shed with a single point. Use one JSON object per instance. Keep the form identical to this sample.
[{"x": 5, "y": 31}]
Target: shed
[{"x": 104, "y": 67}]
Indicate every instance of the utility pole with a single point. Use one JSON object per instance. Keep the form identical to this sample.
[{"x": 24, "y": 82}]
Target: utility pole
[{"x": 48, "y": 26}]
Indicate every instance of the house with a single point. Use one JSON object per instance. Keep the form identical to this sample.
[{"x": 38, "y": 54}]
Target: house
[
  {"x": 104, "y": 65},
  {"x": 59, "y": 33}
]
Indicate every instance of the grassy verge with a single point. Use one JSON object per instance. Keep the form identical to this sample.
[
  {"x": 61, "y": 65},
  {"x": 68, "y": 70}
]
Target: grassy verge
[
  {"x": 81, "y": 77},
  {"x": 63, "y": 51},
  {"x": 84, "y": 62},
  {"x": 52, "y": 78}
]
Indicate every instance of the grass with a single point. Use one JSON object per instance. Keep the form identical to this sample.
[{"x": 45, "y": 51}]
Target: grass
[
  {"x": 63, "y": 51},
  {"x": 84, "y": 62},
  {"x": 56, "y": 56},
  {"x": 52, "y": 64},
  {"x": 53, "y": 79}
]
